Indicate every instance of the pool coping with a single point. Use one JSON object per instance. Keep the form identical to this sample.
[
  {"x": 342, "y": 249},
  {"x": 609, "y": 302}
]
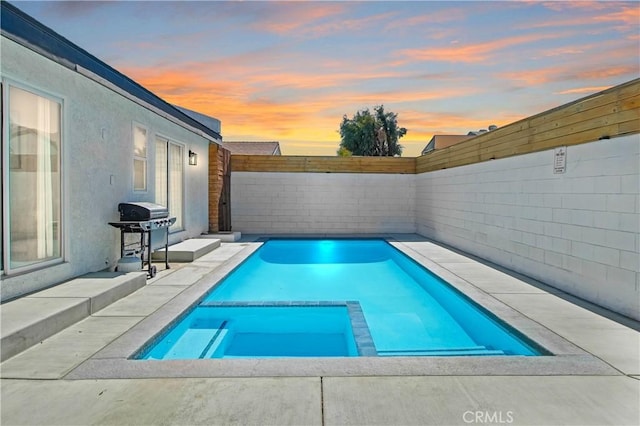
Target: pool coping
[{"x": 113, "y": 361}]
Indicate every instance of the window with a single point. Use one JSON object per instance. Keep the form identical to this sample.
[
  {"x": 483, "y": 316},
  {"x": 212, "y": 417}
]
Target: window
[
  {"x": 139, "y": 158},
  {"x": 3, "y": 178},
  {"x": 32, "y": 180},
  {"x": 170, "y": 179}
]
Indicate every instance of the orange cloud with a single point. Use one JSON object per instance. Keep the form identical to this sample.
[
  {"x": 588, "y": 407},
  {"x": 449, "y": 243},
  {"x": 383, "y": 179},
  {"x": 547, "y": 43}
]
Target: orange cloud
[
  {"x": 349, "y": 25},
  {"x": 454, "y": 123},
  {"x": 176, "y": 82},
  {"x": 559, "y": 6},
  {"x": 626, "y": 15},
  {"x": 437, "y": 17},
  {"x": 470, "y": 53},
  {"x": 563, "y": 51},
  {"x": 567, "y": 72},
  {"x": 308, "y": 125},
  {"x": 301, "y": 20},
  {"x": 607, "y": 72},
  {"x": 298, "y": 18},
  {"x": 322, "y": 80},
  {"x": 582, "y": 90}
]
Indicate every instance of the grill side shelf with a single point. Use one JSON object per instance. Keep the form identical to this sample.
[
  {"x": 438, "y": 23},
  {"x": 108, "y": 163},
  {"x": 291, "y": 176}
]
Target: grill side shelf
[{"x": 128, "y": 226}]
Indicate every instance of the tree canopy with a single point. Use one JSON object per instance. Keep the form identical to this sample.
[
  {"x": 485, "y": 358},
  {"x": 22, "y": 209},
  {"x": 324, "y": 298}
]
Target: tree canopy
[{"x": 370, "y": 134}]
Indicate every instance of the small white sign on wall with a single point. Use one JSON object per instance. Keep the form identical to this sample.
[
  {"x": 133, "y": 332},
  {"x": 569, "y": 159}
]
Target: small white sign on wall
[{"x": 560, "y": 160}]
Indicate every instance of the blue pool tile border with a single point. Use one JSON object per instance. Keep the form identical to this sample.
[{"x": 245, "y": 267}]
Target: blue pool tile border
[
  {"x": 359, "y": 327},
  {"x": 361, "y": 332}
]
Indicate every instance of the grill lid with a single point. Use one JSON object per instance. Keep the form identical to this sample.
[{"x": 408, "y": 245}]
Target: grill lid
[{"x": 136, "y": 211}]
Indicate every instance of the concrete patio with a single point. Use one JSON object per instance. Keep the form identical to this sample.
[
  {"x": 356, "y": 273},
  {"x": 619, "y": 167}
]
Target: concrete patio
[{"x": 52, "y": 382}]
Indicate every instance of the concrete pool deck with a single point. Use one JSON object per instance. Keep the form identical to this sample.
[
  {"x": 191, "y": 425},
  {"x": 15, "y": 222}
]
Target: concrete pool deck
[{"x": 72, "y": 377}]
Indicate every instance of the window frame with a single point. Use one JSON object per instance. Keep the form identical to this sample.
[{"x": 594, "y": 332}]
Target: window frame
[
  {"x": 135, "y": 157},
  {"x": 168, "y": 142},
  {"x": 5, "y": 261}
]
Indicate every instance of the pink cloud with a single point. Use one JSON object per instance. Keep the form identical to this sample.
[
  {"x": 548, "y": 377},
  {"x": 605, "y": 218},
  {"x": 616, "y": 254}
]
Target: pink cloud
[
  {"x": 619, "y": 15},
  {"x": 470, "y": 53},
  {"x": 582, "y": 90},
  {"x": 297, "y": 17},
  {"x": 350, "y": 25},
  {"x": 565, "y": 73},
  {"x": 437, "y": 17}
]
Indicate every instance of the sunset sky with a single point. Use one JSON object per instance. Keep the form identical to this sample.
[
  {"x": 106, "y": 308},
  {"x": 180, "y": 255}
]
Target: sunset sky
[{"x": 289, "y": 71}]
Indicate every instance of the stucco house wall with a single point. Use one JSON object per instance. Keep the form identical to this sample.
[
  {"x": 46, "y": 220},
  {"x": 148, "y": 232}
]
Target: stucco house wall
[{"x": 97, "y": 166}]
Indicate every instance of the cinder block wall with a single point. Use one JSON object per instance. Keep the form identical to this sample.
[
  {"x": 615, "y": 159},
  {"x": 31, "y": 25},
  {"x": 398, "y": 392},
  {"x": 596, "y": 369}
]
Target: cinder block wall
[
  {"x": 273, "y": 202},
  {"x": 578, "y": 231}
]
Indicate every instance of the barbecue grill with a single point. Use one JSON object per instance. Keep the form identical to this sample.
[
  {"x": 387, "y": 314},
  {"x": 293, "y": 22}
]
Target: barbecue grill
[{"x": 143, "y": 218}]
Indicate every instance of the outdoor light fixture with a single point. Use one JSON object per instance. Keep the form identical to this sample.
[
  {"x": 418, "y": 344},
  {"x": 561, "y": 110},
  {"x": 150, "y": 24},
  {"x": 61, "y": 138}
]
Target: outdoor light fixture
[{"x": 193, "y": 158}]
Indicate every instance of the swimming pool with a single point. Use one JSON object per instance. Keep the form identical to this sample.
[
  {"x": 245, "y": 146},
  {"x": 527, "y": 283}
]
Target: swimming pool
[{"x": 335, "y": 297}]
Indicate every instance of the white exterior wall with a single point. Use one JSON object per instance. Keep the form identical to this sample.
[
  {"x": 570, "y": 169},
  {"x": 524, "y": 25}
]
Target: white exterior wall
[
  {"x": 577, "y": 231},
  {"x": 97, "y": 171},
  {"x": 322, "y": 202}
]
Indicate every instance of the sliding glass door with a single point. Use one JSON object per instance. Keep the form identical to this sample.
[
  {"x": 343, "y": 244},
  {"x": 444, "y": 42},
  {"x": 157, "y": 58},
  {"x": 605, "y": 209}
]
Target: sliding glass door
[
  {"x": 31, "y": 177},
  {"x": 170, "y": 179}
]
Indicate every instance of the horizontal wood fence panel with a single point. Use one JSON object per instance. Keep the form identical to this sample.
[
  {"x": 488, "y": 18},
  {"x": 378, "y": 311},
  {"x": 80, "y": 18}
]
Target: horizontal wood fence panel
[
  {"x": 629, "y": 127},
  {"x": 286, "y": 163}
]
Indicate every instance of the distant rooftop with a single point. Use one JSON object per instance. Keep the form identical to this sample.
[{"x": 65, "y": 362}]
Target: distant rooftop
[
  {"x": 211, "y": 122},
  {"x": 253, "y": 148},
  {"x": 443, "y": 141}
]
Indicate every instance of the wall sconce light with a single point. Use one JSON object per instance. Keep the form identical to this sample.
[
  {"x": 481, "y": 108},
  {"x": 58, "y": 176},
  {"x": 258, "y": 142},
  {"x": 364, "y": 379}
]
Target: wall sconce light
[{"x": 193, "y": 158}]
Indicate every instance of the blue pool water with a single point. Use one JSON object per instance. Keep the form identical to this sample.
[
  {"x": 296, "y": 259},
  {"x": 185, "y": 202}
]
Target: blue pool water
[
  {"x": 397, "y": 308},
  {"x": 223, "y": 331}
]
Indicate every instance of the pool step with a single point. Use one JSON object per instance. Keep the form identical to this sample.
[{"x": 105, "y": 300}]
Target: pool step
[
  {"x": 188, "y": 250},
  {"x": 196, "y": 342},
  {"x": 215, "y": 341},
  {"x": 469, "y": 351}
]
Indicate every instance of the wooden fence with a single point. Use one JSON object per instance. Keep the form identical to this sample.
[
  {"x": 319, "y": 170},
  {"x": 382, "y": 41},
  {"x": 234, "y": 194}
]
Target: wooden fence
[
  {"x": 288, "y": 163},
  {"x": 607, "y": 114}
]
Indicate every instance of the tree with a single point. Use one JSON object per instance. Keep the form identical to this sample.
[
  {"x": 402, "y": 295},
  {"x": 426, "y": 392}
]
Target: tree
[
  {"x": 371, "y": 134},
  {"x": 344, "y": 152}
]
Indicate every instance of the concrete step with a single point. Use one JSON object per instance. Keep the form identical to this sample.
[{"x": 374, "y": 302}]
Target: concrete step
[
  {"x": 188, "y": 250},
  {"x": 29, "y": 320},
  {"x": 227, "y": 237}
]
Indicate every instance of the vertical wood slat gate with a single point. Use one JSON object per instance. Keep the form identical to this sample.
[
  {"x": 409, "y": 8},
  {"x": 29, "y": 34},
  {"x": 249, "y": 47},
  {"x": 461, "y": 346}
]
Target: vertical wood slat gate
[{"x": 224, "y": 204}]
